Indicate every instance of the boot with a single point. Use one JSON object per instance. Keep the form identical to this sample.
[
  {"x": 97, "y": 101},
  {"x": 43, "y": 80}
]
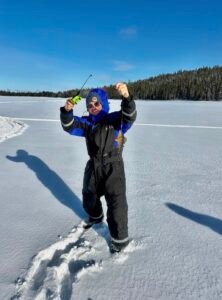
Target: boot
[
  {"x": 92, "y": 221},
  {"x": 118, "y": 247}
]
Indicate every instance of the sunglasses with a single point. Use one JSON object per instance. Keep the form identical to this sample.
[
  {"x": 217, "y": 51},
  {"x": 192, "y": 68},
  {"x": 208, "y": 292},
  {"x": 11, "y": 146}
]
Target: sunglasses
[{"x": 95, "y": 104}]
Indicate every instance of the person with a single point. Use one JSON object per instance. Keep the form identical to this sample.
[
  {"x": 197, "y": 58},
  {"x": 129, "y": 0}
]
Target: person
[{"x": 104, "y": 174}]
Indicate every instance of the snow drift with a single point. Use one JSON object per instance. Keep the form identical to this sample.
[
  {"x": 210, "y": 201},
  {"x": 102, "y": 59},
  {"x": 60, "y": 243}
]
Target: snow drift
[{"x": 10, "y": 128}]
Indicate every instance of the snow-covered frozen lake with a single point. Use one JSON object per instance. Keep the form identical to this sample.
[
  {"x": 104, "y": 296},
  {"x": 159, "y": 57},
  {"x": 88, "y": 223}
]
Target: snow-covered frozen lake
[{"x": 173, "y": 168}]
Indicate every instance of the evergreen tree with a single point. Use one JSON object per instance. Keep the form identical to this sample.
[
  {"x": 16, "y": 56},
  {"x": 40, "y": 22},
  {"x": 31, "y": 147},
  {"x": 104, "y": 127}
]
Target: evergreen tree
[{"x": 201, "y": 84}]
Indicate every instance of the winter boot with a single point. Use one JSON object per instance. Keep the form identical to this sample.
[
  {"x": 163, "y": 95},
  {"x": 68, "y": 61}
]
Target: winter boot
[
  {"x": 92, "y": 221},
  {"x": 117, "y": 247}
]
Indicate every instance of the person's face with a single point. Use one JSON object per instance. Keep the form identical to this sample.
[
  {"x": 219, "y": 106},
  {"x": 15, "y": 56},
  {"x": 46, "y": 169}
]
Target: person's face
[{"x": 94, "y": 107}]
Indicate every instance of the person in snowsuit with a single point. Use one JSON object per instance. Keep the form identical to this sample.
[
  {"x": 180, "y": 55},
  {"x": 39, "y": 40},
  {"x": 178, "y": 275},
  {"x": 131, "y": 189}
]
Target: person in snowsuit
[{"x": 104, "y": 172}]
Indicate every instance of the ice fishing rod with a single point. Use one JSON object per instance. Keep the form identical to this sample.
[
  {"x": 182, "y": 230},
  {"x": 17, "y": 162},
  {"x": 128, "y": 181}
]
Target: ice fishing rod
[{"x": 75, "y": 99}]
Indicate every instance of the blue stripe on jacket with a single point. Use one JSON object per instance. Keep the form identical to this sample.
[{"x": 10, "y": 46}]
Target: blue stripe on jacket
[{"x": 81, "y": 123}]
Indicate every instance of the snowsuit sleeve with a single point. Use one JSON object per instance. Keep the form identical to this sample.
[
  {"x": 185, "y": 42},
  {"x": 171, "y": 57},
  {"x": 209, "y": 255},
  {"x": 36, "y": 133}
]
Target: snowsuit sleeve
[
  {"x": 129, "y": 113},
  {"x": 72, "y": 124}
]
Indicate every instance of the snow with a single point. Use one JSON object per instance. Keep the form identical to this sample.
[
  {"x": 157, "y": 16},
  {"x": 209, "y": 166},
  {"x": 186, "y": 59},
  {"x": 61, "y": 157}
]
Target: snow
[
  {"x": 10, "y": 128},
  {"x": 173, "y": 168}
]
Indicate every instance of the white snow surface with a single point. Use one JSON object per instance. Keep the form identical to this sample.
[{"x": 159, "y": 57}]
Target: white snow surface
[
  {"x": 173, "y": 166},
  {"x": 10, "y": 128}
]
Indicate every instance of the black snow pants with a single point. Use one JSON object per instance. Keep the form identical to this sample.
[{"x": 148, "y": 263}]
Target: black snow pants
[{"x": 105, "y": 176}]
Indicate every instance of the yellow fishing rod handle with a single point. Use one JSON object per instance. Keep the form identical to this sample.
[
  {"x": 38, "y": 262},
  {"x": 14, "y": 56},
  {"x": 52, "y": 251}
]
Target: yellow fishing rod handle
[{"x": 75, "y": 100}]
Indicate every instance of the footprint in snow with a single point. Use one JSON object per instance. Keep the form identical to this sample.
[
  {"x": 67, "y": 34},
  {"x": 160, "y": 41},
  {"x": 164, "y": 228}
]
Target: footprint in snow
[{"x": 54, "y": 270}]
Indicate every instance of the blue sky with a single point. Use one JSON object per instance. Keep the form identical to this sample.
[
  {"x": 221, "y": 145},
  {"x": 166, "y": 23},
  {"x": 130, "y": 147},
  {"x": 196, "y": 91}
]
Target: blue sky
[{"x": 55, "y": 45}]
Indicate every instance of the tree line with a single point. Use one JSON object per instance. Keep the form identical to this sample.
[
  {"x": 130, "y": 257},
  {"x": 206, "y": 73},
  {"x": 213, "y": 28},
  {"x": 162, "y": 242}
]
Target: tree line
[{"x": 200, "y": 84}]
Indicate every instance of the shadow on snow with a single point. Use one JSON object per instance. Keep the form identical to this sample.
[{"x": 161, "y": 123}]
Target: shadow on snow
[
  {"x": 213, "y": 223},
  {"x": 66, "y": 196},
  {"x": 51, "y": 181}
]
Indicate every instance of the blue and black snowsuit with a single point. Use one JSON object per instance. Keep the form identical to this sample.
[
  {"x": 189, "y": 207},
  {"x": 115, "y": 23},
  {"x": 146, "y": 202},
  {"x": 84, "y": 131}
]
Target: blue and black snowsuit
[{"x": 104, "y": 173}]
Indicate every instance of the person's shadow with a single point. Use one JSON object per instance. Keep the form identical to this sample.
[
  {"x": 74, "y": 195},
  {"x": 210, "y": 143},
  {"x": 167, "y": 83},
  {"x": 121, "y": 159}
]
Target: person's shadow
[
  {"x": 213, "y": 223},
  {"x": 52, "y": 182}
]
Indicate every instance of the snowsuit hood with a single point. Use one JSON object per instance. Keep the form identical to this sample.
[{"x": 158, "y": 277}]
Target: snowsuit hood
[{"x": 101, "y": 97}]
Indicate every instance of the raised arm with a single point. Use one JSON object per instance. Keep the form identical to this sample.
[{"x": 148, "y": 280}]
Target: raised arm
[
  {"x": 128, "y": 107},
  {"x": 72, "y": 124}
]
